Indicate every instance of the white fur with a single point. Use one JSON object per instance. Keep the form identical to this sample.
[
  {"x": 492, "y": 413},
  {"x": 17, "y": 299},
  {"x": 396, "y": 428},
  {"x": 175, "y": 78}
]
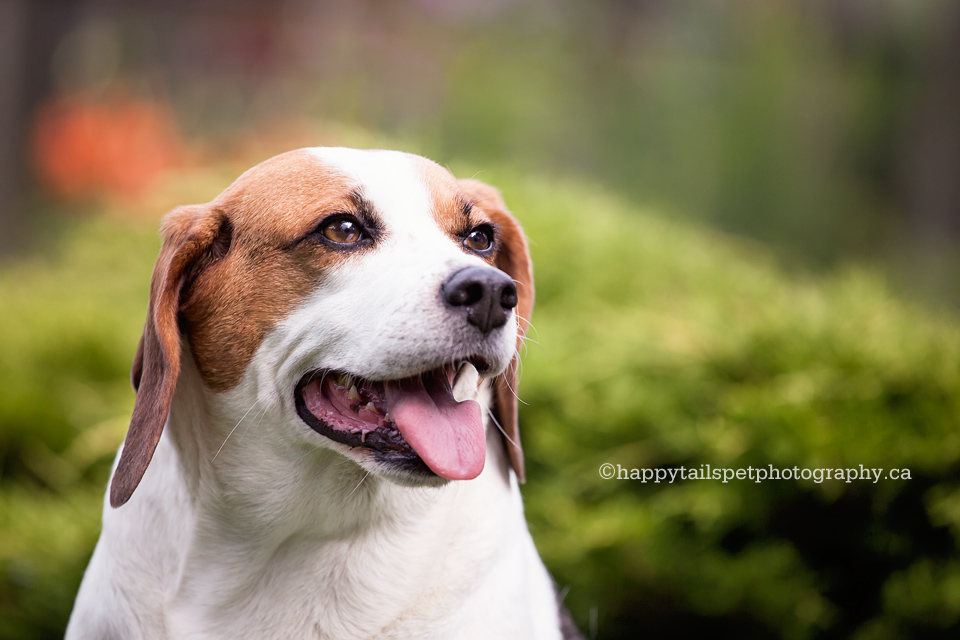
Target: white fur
[{"x": 248, "y": 524}]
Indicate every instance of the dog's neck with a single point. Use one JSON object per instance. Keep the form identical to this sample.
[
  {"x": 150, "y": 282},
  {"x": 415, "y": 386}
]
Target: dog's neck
[{"x": 267, "y": 510}]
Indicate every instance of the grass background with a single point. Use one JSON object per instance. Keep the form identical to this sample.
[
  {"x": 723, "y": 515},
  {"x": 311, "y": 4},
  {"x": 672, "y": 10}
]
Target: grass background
[{"x": 656, "y": 343}]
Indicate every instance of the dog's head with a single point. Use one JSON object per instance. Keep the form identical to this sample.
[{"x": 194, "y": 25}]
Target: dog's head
[{"x": 358, "y": 288}]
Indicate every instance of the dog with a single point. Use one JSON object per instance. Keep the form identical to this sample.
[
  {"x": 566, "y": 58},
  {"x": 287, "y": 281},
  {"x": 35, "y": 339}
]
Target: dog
[{"x": 324, "y": 442}]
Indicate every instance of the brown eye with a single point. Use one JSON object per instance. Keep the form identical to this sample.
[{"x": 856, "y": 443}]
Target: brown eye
[
  {"x": 342, "y": 231},
  {"x": 480, "y": 239}
]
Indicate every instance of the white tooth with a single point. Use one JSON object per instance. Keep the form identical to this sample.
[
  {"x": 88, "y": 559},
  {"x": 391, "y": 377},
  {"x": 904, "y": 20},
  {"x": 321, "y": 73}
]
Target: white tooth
[
  {"x": 353, "y": 394},
  {"x": 388, "y": 417},
  {"x": 371, "y": 408},
  {"x": 465, "y": 382}
]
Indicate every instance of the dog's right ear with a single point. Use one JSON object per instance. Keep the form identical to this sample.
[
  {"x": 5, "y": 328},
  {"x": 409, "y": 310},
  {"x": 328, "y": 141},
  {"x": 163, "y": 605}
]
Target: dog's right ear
[{"x": 193, "y": 237}]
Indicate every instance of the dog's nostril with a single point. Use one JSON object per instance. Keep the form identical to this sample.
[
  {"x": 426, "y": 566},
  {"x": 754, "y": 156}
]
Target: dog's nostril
[
  {"x": 484, "y": 295},
  {"x": 467, "y": 295},
  {"x": 508, "y": 297}
]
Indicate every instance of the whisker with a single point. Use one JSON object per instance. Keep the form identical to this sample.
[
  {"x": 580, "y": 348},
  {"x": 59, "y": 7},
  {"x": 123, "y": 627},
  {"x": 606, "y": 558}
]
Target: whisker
[
  {"x": 344, "y": 465},
  {"x": 528, "y": 340},
  {"x": 260, "y": 417},
  {"x": 529, "y": 325},
  {"x": 494, "y": 418},
  {"x": 365, "y": 474},
  {"x": 234, "y": 429},
  {"x": 514, "y": 391}
]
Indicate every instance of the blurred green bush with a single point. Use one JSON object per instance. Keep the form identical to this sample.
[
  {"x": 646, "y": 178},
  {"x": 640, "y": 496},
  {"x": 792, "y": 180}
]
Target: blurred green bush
[
  {"x": 656, "y": 344},
  {"x": 71, "y": 317}
]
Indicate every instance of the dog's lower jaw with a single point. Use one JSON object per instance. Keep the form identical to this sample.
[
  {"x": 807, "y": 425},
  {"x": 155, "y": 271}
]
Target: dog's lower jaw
[{"x": 357, "y": 556}]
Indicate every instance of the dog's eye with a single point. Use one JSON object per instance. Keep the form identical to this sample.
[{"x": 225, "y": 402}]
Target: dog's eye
[
  {"x": 480, "y": 239},
  {"x": 342, "y": 230}
]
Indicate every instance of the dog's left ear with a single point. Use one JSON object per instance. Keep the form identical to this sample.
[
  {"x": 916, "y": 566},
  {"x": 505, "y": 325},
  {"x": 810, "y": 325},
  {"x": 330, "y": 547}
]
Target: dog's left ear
[
  {"x": 193, "y": 237},
  {"x": 513, "y": 258}
]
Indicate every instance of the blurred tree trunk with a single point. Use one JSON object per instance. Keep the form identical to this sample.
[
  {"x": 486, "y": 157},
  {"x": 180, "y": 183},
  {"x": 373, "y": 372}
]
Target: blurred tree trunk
[
  {"x": 12, "y": 18},
  {"x": 932, "y": 160},
  {"x": 29, "y": 33}
]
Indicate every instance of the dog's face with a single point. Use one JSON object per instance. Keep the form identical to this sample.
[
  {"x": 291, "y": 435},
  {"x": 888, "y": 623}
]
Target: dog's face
[{"x": 358, "y": 288}]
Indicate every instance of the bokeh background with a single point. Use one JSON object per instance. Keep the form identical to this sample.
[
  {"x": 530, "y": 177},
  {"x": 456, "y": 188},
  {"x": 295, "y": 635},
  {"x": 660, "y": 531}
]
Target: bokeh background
[{"x": 744, "y": 217}]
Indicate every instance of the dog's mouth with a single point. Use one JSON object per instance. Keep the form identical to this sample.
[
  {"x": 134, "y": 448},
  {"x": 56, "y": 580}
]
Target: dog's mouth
[{"x": 413, "y": 423}]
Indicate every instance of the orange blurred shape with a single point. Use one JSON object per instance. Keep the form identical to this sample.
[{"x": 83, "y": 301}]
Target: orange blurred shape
[{"x": 117, "y": 147}]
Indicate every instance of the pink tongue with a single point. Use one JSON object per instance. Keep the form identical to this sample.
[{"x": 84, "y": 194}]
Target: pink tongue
[{"x": 447, "y": 434}]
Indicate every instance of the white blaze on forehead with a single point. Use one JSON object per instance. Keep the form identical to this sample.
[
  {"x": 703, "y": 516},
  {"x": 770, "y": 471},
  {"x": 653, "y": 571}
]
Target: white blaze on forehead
[{"x": 390, "y": 181}]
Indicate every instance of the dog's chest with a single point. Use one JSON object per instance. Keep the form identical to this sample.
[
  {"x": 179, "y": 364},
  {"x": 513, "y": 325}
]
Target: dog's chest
[{"x": 440, "y": 579}]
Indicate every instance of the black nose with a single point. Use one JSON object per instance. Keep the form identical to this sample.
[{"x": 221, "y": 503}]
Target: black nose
[{"x": 483, "y": 294}]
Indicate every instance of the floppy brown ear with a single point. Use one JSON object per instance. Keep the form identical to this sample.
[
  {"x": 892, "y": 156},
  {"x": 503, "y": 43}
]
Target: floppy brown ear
[
  {"x": 188, "y": 233},
  {"x": 513, "y": 258}
]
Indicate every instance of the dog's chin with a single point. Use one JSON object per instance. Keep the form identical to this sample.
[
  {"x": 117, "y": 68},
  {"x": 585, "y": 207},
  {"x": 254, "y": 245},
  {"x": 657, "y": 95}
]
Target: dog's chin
[
  {"x": 402, "y": 476},
  {"x": 411, "y": 431}
]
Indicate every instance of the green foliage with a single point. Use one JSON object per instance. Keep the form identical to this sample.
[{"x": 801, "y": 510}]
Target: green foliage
[
  {"x": 768, "y": 119},
  {"x": 45, "y": 542},
  {"x": 656, "y": 344},
  {"x": 69, "y": 324},
  {"x": 660, "y": 345}
]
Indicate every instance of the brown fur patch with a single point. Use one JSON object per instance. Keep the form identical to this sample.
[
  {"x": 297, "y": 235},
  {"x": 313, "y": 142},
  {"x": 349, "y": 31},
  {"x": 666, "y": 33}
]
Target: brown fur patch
[
  {"x": 231, "y": 305},
  {"x": 227, "y": 272},
  {"x": 454, "y": 210}
]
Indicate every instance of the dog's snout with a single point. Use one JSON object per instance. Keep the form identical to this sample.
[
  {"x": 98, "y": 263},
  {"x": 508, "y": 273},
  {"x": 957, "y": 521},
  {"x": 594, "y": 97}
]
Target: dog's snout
[{"x": 483, "y": 294}]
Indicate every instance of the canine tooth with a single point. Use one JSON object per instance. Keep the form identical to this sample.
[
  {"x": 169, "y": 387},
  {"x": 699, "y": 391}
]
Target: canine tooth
[
  {"x": 387, "y": 417},
  {"x": 344, "y": 379},
  {"x": 465, "y": 383},
  {"x": 371, "y": 408},
  {"x": 353, "y": 394}
]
